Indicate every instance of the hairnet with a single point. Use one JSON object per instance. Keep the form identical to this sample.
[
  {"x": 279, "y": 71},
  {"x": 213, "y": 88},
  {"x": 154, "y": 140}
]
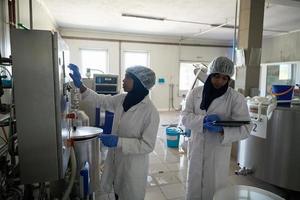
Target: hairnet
[
  {"x": 144, "y": 74},
  {"x": 222, "y": 65}
]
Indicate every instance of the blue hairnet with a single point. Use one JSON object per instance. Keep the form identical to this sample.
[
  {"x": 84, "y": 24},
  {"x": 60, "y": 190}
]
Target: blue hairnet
[
  {"x": 144, "y": 74},
  {"x": 222, "y": 65}
]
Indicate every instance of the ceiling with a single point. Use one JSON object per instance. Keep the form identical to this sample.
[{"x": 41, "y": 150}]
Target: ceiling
[{"x": 281, "y": 16}]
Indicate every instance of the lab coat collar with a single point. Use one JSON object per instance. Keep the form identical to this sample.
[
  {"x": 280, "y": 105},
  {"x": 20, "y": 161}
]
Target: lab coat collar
[
  {"x": 145, "y": 100},
  {"x": 199, "y": 94}
]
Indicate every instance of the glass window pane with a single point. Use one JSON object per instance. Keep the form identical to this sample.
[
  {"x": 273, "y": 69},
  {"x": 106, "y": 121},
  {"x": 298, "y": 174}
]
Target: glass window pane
[
  {"x": 96, "y": 60},
  {"x": 186, "y": 76},
  {"x": 285, "y": 72},
  {"x": 135, "y": 58}
]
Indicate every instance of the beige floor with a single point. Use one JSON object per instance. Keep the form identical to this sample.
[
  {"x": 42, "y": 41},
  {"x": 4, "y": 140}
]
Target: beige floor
[{"x": 168, "y": 169}]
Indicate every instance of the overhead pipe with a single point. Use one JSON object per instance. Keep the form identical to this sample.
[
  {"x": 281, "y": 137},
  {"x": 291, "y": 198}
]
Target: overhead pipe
[
  {"x": 30, "y": 15},
  {"x": 234, "y": 35},
  {"x": 12, "y": 13},
  {"x": 214, "y": 28}
]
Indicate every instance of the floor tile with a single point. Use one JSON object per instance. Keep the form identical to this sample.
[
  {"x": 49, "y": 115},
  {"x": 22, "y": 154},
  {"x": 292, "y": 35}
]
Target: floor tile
[
  {"x": 173, "y": 191},
  {"x": 151, "y": 181},
  {"x": 154, "y": 193},
  {"x": 182, "y": 175},
  {"x": 166, "y": 178},
  {"x": 157, "y": 168},
  {"x": 154, "y": 159}
]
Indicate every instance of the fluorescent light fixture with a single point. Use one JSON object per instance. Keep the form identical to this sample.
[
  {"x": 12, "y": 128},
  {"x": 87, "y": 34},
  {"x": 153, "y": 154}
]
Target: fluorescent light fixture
[
  {"x": 224, "y": 26},
  {"x": 143, "y": 16},
  {"x": 162, "y": 19}
]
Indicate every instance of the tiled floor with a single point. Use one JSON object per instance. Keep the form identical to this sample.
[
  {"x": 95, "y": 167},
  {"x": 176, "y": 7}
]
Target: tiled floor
[{"x": 168, "y": 169}]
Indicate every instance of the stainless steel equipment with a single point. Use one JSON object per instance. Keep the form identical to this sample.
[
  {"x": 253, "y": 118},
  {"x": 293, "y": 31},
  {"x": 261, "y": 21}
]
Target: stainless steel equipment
[
  {"x": 275, "y": 158},
  {"x": 86, "y": 146},
  {"x": 41, "y": 101}
]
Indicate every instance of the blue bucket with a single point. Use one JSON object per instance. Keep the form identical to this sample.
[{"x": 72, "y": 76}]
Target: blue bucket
[
  {"x": 173, "y": 134},
  {"x": 283, "y": 93}
]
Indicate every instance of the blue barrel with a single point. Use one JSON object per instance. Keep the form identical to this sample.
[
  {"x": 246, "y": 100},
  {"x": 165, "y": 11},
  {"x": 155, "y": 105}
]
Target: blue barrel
[
  {"x": 283, "y": 93},
  {"x": 173, "y": 134}
]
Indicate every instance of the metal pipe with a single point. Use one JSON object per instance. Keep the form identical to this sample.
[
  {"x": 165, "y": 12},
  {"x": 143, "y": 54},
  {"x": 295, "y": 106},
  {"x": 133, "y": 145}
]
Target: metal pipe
[
  {"x": 30, "y": 14},
  {"x": 214, "y": 28},
  {"x": 234, "y": 36},
  {"x": 120, "y": 63}
]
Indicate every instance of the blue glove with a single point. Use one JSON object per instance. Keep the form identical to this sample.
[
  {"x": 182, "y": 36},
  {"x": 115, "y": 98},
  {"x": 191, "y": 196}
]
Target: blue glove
[
  {"x": 76, "y": 75},
  {"x": 211, "y": 118},
  {"x": 109, "y": 140},
  {"x": 207, "y": 123},
  {"x": 213, "y": 128}
]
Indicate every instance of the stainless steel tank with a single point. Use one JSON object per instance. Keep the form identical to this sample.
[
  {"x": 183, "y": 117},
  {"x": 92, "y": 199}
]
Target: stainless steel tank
[
  {"x": 275, "y": 158},
  {"x": 86, "y": 146}
]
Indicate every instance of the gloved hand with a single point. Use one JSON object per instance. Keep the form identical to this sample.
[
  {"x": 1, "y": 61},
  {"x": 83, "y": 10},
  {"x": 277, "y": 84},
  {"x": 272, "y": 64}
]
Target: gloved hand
[
  {"x": 213, "y": 128},
  {"x": 109, "y": 140},
  {"x": 76, "y": 75},
  {"x": 208, "y": 123},
  {"x": 211, "y": 118}
]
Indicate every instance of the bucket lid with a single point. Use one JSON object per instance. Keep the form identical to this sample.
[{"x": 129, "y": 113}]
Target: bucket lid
[{"x": 83, "y": 132}]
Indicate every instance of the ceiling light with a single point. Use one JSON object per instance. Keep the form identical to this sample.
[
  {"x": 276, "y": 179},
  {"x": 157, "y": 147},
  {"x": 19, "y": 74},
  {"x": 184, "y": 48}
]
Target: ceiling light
[
  {"x": 143, "y": 16},
  {"x": 162, "y": 19}
]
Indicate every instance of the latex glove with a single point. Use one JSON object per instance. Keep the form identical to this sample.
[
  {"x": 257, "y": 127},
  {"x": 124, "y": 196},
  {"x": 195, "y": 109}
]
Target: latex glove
[
  {"x": 211, "y": 118},
  {"x": 109, "y": 140},
  {"x": 207, "y": 123},
  {"x": 212, "y": 128},
  {"x": 76, "y": 75}
]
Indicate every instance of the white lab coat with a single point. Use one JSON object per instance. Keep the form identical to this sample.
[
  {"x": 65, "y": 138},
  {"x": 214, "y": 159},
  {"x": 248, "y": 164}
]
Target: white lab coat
[
  {"x": 209, "y": 152},
  {"x": 126, "y": 167}
]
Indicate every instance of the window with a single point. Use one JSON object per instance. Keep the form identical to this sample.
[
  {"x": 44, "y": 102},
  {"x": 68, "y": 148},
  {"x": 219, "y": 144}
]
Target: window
[
  {"x": 280, "y": 74},
  {"x": 187, "y": 76},
  {"x": 96, "y": 60},
  {"x": 132, "y": 58}
]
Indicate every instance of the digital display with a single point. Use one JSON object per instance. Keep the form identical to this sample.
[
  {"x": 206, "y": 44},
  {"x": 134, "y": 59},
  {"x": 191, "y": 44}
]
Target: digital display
[{"x": 106, "y": 80}]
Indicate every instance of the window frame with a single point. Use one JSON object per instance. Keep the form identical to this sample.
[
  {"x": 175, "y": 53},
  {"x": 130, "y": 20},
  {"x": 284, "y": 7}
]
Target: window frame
[
  {"x": 133, "y": 51},
  {"x": 94, "y": 49},
  {"x": 184, "y": 92}
]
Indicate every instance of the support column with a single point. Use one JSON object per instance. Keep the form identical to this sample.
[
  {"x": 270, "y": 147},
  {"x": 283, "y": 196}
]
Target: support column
[{"x": 250, "y": 32}]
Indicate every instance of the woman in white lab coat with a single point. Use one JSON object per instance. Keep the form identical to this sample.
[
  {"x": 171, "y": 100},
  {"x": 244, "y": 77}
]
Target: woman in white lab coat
[
  {"x": 210, "y": 146},
  {"x": 133, "y": 135}
]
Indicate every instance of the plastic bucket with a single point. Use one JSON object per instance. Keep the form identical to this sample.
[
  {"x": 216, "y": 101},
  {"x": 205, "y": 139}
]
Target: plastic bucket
[
  {"x": 283, "y": 93},
  {"x": 173, "y": 134}
]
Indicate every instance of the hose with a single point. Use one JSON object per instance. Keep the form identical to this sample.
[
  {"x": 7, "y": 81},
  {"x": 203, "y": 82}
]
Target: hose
[{"x": 73, "y": 175}]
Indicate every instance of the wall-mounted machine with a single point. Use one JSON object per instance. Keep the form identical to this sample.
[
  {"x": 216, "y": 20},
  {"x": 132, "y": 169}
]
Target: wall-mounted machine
[
  {"x": 42, "y": 102},
  {"x": 106, "y": 84},
  {"x": 50, "y": 127}
]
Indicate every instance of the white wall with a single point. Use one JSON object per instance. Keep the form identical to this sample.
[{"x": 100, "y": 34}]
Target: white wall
[
  {"x": 42, "y": 19},
  {"x": 164, "y": 58},
  {"x": 281, "y": 48},
  {"x": 4, "y": 29}
]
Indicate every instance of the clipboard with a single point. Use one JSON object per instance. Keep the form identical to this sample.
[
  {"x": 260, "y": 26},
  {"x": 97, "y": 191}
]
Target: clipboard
[{"x": 230, "y": 123}]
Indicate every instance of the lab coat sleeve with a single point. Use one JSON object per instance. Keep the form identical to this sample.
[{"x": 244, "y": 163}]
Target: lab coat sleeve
[
  {"x": 189, "y": 119},
  {"x": 239, "y": 112},
  {"x": 146, "y": 143},
  {"x": 106, "y": 102}
]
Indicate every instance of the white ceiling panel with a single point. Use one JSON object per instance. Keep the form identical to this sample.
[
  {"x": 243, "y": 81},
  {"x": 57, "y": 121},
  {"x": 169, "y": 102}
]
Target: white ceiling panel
[{"x": 106, "y": 15}]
